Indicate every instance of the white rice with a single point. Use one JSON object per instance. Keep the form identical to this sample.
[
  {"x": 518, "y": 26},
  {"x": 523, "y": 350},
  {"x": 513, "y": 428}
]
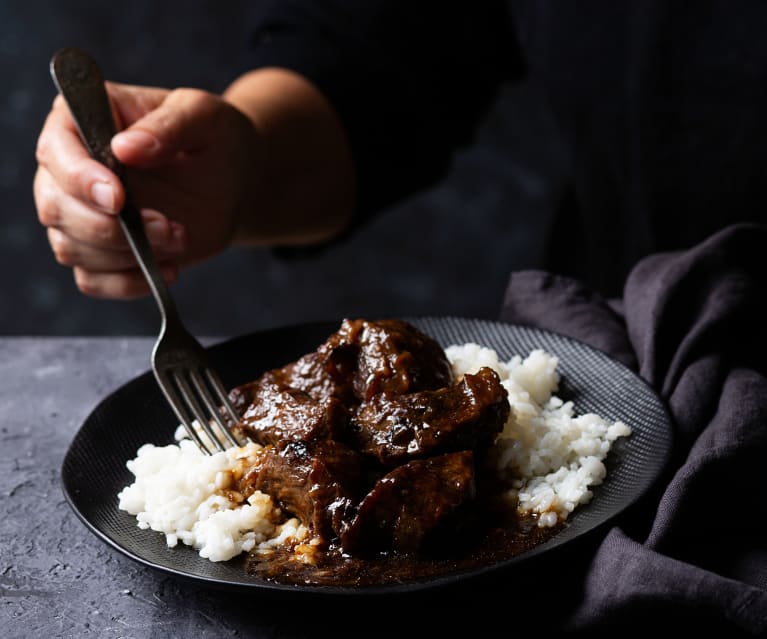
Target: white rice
[
  {"x": 184, "y": 494},
  {"x": 552, "y": 456}
]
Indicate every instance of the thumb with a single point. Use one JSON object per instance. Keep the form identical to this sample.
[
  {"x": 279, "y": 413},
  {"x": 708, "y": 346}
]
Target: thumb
[{"x": 179, "y": 123}]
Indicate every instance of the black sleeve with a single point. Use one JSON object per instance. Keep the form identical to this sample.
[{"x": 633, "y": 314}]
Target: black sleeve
[{"x": 410, "y": 80}]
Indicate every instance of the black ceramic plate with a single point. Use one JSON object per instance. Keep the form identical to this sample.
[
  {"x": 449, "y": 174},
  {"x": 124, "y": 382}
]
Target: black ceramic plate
[{"x": 94, "y": 468}]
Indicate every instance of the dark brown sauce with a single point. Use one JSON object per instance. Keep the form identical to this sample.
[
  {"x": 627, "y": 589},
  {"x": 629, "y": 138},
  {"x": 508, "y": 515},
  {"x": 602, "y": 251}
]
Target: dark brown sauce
[{"x": 508, "y": 536}]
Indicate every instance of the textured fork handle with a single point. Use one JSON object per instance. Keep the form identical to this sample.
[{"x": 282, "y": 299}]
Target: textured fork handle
[{"x": 81, "y": 83}]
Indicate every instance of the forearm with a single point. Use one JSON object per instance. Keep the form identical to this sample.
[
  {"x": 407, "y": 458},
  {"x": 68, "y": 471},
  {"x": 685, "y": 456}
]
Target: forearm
[{"x": 303, "y": 192}]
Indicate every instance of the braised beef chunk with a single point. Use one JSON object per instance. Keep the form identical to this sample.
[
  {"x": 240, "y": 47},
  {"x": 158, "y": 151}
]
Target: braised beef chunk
[
  {"x": 327, "y": 372},
  {"x": 318, "y": 482},
  {"x": 280, "y": 412},
  {"x": 405, "y": 506},
  {"x": 363, "y": 358},
  {"x": 395, "y": 357},
  {"x": 374, "y": 405},
  {"x": 467, "y": 415}
]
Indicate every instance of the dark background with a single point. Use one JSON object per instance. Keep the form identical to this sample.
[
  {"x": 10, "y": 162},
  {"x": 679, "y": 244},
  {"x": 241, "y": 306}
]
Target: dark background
[{"x": 447, "y": 250}]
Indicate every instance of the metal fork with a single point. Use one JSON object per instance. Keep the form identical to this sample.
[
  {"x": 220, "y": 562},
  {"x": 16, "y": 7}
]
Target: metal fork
[{"x": 180, "y": 363}]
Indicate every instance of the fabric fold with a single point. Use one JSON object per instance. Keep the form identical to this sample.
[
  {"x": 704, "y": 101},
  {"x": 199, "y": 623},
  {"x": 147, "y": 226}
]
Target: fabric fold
[{"x": 694, "y": 326}]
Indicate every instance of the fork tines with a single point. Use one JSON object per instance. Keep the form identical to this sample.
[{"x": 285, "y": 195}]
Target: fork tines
[{"x": 201, "y": 404}]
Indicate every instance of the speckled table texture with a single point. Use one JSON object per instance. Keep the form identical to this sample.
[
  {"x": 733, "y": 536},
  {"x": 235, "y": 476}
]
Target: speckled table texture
[{"x": 56, "y": 578}]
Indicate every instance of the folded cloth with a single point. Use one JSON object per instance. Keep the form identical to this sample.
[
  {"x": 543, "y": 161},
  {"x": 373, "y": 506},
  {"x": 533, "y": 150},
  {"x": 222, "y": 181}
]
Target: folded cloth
[{"x": 694, "y": 325}]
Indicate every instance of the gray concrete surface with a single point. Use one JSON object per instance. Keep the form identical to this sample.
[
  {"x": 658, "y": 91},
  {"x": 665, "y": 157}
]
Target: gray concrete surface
[{"x": 57, "y": 580}]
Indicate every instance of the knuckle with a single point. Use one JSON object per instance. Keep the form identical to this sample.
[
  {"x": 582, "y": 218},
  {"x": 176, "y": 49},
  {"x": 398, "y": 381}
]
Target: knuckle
[
  {"x": 63, "y": 250},
  {"x": 107, "y": 233},
  {"x": 47, "y": 209},
  {"x": 197, "y": 101},
  {"x": 124, "y": 285},
  {"x": 101, "y": 285},
  {"x": 86, "y": 283},
  {"x": 42, "y": 150},
  {"x": 78, "y": 177},
  {"x": 44, "y": 141},
  {"x": 189, "y": 94}
]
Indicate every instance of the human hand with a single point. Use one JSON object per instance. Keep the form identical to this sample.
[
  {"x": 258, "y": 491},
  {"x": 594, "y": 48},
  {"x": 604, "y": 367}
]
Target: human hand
[{"x": 191, "y": 160}]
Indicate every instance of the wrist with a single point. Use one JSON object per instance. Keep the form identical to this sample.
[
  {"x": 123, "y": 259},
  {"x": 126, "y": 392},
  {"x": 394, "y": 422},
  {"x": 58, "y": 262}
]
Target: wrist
[{"x": 303, "y": 182}]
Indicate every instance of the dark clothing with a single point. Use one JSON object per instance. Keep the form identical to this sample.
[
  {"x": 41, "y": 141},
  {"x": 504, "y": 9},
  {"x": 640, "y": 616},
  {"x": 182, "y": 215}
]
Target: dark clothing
[
  {"x": 661, "y": 106},
  {"x": 409, "y": 80}
]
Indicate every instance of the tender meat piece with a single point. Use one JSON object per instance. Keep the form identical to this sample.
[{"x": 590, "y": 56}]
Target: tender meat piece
[
  {"x": 279, "y": 412},
  {"x": 467, "y": 415},
  {"x": 408, "y": 504},
  {"x": 395, "y": 357},
  {"x": 319, "y": 482},
  {"x": 364, "y": 358},
  {"x": 326, "y": 372}
]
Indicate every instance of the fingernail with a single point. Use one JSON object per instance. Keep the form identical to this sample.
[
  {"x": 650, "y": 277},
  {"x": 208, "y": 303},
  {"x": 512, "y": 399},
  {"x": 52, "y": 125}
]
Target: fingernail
[
  {"x": 138, "y": 140},
  {"x": 103, "y": 195}
]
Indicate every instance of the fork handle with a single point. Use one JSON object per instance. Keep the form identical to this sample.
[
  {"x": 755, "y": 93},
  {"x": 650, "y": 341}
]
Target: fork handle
[{"x": 80, "y": 82}]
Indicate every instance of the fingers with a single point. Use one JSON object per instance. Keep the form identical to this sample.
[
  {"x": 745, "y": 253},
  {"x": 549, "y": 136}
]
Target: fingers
[
  {"x": 94, "y": 245},
  {"x": 125, "y": 285},
  {"x": 131, "y": 102},
  {"x": 77, "y": 199},
  {"x": 114, "y": 273},
  {"x": 70, "y": 252},
  {"x": 61, "y": 152},
  {"x": 56, "y": 208},
  {"x": 182, "y": 122},
  {"x": 87, "y": 225}
]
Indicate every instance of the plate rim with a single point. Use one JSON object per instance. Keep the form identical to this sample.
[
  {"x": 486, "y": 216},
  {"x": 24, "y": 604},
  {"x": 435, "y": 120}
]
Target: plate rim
[{"x": 429, "y": 583}]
